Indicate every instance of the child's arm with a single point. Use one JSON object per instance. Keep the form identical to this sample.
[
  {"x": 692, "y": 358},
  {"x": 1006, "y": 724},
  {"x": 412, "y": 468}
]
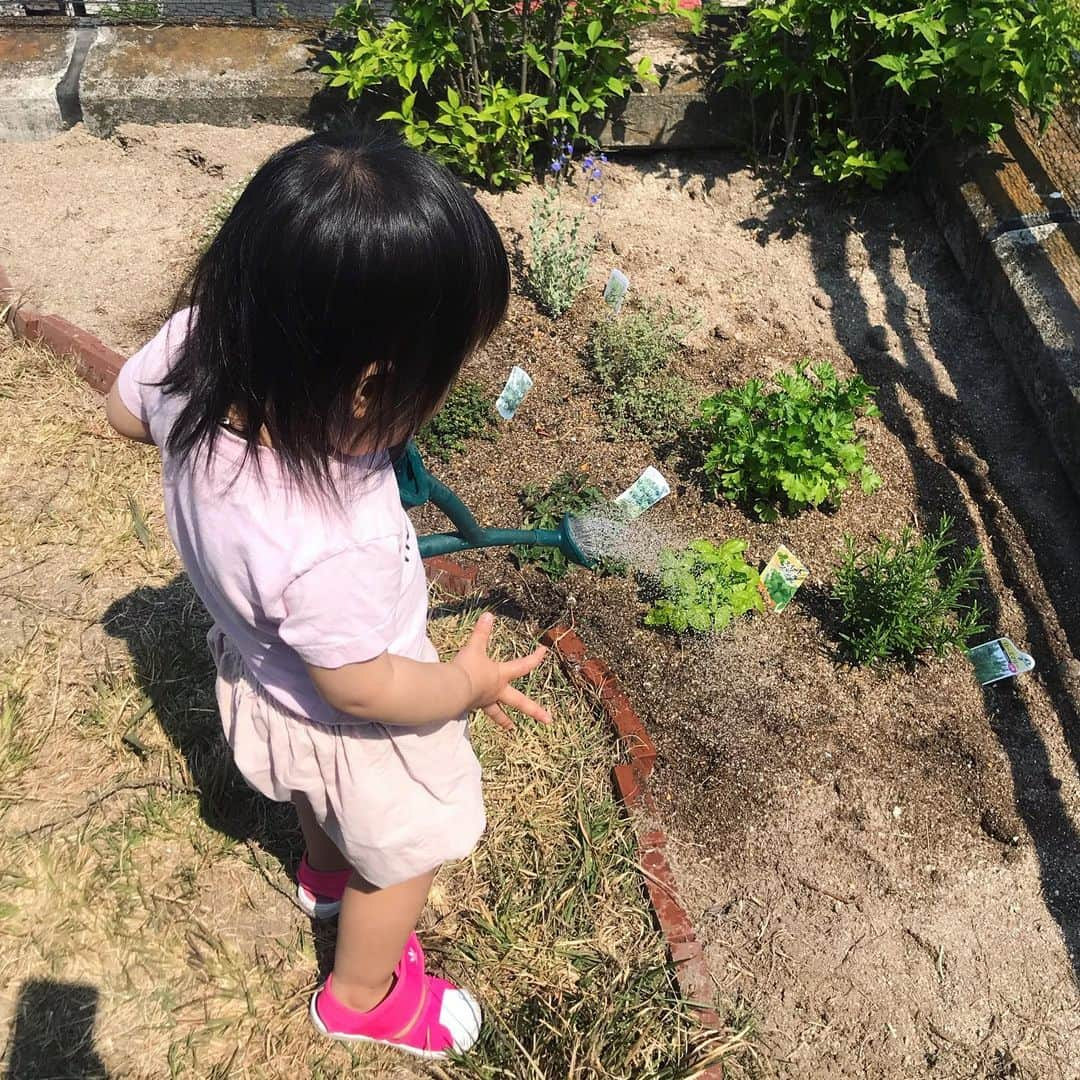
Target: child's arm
[
  {"x": 394, "y": 690},
  {"x": 123, "y": 420}
]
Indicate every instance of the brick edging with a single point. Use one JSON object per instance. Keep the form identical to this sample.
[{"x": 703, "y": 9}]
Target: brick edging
[
  {"x": 632, "y": 789},
  {"x": 631, "y": 782},
  {"x": 94, "y": 360},
  {"x": 99, "y": 365}
]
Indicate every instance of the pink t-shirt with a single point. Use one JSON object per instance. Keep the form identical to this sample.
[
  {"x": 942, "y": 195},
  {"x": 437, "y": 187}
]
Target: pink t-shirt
[{"x": 290, "y": 579}]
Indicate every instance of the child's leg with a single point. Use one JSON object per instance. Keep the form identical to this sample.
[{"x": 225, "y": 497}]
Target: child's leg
[
  {"x": 322, "y": 852},
  {"x": 373, "y": 928}
]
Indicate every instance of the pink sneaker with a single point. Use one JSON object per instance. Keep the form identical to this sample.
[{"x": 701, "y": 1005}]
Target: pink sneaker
[
  {"x": 319, "y": 892},
  {"x": 422, "y": 1015}
]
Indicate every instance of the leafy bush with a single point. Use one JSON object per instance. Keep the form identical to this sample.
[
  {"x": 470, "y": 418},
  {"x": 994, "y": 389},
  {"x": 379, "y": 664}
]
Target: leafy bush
[
  {"x": 560, "y": 257},
  {"x": 655, "y": 409},
  {"x": 628, "y": 354},
  {"x": 482, "y": 85},
  {"x": 568, "y": 493},
  {"x": 898, "y": 600},
  {"x": 790, "y": 448},
  {"x": 633, "y": 345},
  {"x": 863, "y": 87},
  {"x": 704, "y": 587},
  {"x": 465, "y": 414}
]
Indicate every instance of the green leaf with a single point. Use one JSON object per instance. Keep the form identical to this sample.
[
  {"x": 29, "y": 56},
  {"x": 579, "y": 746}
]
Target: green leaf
[
  {"x": 889, "y": 62},
  {"x": 595, "y": 30}
]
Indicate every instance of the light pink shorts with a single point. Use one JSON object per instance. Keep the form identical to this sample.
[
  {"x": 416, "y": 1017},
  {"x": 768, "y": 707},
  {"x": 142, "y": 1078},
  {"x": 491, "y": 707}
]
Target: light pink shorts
[{"x": 397, "y": 801}]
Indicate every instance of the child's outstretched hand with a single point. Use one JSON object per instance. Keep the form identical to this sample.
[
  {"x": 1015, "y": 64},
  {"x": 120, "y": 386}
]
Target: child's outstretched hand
[{"x": 490, "y": 679}]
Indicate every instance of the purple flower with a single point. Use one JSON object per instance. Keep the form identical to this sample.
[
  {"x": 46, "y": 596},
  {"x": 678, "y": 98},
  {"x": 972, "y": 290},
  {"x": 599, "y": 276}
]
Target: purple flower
[
  {"x": 603, "y": 158},
  {"x": 569, "y": 149},
  {"x": 596, "y": 174},
  {"x": 556, "y": 165},
  {"x": 587, "y": 163},
  {"x": 594, "y": 198}
]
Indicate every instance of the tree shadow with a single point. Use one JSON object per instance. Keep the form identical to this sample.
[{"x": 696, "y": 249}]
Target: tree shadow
[
  {"x": 54, "y": 1033},
  {"x": 164, "y": 629},
  {"x": 982, "y": 433}
]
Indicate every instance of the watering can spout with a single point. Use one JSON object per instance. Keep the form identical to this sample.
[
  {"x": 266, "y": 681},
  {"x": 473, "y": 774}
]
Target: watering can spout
[{"x": 417, "y": 486}]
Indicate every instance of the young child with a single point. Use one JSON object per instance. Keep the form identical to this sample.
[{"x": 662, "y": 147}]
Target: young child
[{"x": 329, "y": 319}]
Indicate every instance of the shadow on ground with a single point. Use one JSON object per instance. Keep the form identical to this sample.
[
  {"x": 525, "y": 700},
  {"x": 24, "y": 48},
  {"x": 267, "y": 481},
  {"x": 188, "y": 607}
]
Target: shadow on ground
[
  {"x": 164, "y": 629},
  {"x": 986, "y": 432},
  {"x": 54, "y": 1033}
]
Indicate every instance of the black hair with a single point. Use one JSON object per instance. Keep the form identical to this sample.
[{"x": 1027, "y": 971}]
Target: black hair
[{"x": 352, "y": 268}]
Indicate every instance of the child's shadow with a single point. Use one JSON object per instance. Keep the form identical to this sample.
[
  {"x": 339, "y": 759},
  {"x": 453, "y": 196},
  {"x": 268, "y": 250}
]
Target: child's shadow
[{"x": 165, "y": 629}]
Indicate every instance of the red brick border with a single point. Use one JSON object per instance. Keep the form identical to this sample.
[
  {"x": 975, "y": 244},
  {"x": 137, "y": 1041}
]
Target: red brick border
[
  {"x": 99, "y": 366},
  {"x": 94, "y": 360}
]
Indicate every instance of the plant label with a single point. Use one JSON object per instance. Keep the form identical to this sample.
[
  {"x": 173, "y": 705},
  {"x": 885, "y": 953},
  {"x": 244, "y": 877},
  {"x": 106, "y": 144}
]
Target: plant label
[
  {"x": 517, "y": 386},
  {"x": 781, "y": 578},
  {"x": 999, "y": 659},
  {"x": 647, "y": 490},
  {"x": 618, "y": 285}
]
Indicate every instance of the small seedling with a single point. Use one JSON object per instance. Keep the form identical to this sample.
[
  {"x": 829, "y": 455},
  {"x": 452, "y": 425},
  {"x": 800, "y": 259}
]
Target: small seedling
[
  {"x": 899, "y": 601},
  {"x": 466, "y": 414},
  {"x": 568, "y": 493},
  {"x": 784, "y": 450},
  {"x": 560, "y": 258},
  {"x": 704, "y": 587}
]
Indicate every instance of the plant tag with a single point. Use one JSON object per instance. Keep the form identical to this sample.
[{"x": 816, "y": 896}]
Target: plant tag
[
  {"x": 647, "y": 490},
  {"x": 781, "y": 578},
  {"x": 618, "y": 285},
  {"x": 999, "y": 659},
  {"x": 517, "y": 386}
]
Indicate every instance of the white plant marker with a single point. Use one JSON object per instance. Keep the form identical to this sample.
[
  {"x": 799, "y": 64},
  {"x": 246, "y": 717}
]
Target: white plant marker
[
  {"x": 517, "y": 386},
  {"x": 618, "y": 285},
  {"x": 647, "y": 490}
]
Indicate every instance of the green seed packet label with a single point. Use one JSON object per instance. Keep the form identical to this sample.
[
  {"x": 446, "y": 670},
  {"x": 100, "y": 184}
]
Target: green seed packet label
[
  {"x": 781, "y": 578},
  {"x": 999, "y": 659},
  {"x": 618, "y": 285}
]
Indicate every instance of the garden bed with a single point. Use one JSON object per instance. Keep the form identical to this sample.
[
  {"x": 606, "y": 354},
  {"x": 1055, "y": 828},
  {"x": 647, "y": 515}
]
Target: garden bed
[{"x": 882, "y": 865}]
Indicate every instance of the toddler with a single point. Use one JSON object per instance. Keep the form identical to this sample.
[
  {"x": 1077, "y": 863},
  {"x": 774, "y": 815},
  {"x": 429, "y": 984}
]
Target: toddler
[{"x": 329, "y": 318}]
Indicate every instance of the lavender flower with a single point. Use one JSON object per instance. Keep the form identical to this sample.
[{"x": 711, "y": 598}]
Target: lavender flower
[
  {"x": 597, "y": 174},
  {"x": 594, "y": 198},
  {"x": 556, "y": 165}
]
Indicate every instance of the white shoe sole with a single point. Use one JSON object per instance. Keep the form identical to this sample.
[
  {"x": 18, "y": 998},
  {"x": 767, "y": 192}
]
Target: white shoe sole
[{"x": 315, "y": 909}]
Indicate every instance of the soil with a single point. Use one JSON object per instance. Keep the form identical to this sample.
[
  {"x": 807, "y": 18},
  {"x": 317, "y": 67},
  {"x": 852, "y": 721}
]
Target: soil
[{"x": 884, "y": 866}]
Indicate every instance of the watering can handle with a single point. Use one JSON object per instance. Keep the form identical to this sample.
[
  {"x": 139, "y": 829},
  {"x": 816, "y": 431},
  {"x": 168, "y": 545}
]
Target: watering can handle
[
  {"x": 418, "y": 486},
  {"x": 414, "y": 481}
]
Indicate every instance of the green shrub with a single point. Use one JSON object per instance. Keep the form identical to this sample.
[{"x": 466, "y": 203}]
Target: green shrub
[
  {"x": 655, "y": 409},
  {"x": 628, "y": 354},
  {"x": 898, "y": 600},
  {"x": 633, "y": 345},
  {"x": 560, "y": 257},
  {"x": 704, "y": 587},
  {"x": 788, "y": 449},
  {"x": 485, "y": 86},
  {"x": 467, "y": 413},
  {"x": 568, "y": 493},
  {"x": 863, "y": 87}
]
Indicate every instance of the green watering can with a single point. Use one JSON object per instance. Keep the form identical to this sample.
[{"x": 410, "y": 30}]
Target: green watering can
[{"x": 418, "y": 486}]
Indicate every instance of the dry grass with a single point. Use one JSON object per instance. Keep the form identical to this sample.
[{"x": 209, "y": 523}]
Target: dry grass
[{"x": 145, "y": 924}]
